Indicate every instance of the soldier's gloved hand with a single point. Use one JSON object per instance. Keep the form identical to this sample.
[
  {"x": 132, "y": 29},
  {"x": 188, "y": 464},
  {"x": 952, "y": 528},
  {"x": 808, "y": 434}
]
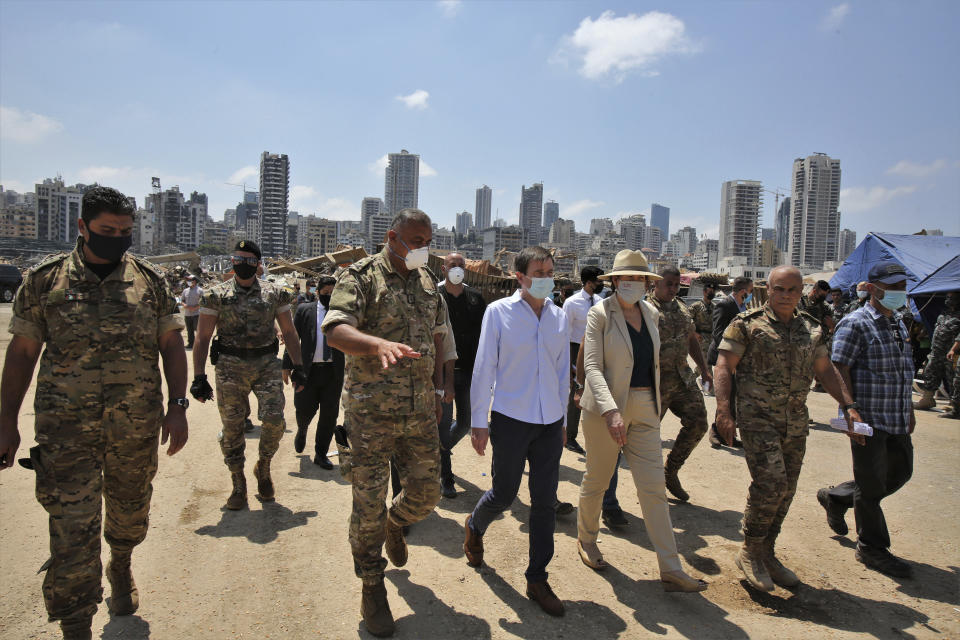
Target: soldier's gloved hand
[
  {"x": 299, "y": 379},
  {"x": 201, "y": 389}
]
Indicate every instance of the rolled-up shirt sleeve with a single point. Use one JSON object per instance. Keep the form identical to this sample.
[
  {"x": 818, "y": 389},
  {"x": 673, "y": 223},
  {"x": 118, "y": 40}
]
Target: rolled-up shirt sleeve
[
  {"x": 210, "y": 304},
  {"x": 347, "y": 303},
  {"x": 735, "y": 338},
  {"x": 169, "y": 316},
  {"x": 485, "y": 369}
]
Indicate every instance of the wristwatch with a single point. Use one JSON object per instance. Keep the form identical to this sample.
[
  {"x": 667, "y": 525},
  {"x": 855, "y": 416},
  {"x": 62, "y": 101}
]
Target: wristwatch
[
  {"x": 439, "y": 392},
  {"x": 183, "y": 402},
  {"x": 852, "y": 405}
]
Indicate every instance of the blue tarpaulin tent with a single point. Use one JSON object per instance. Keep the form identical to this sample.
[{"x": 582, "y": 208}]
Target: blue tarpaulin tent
[
  {"x": 928, "y": 293},
  {"x": 919, "y": 255}
]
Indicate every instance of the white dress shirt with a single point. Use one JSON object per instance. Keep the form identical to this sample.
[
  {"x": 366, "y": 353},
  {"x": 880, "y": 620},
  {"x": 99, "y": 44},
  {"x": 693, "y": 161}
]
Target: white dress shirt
[
  {"x": 321, "y": 339},
  {"x": 576, "y": 308},
  {"x": 526, "y": 358}
]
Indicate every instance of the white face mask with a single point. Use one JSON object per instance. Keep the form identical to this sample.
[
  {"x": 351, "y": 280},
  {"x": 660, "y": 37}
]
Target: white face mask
[
  {"x": 863, "y": 295},
  {"x": 415, "y": 258},
  {"x": 631, "y": 291},
  {"x": 455, "y": 275}
]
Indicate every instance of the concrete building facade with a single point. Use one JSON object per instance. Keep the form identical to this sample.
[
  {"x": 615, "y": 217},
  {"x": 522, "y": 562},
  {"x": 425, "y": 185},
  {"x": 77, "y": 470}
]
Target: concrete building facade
[
  {"x": 482, "y": 208},
  {"x": 660, "y": 218},
  {"x": 401, "y": 182},
  {"x": 551, "y": 213},
  {"x": 531, "y": 209},
  {"x": 740, "y": 205},
  {"x": 274, "y": 203},
  {"x": 814, "y": 218}
]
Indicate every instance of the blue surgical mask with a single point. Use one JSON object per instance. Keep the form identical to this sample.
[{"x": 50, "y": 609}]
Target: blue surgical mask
[
  {"x": 748, "y": 298},
  {"x": 540, "y": 288},
  {"x": 893, "y": 300},
  {"x": 863, "y": 295}
]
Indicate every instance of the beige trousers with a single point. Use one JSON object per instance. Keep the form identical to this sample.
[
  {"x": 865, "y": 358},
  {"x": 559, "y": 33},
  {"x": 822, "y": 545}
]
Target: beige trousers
[{"x": 643, "y": 455}]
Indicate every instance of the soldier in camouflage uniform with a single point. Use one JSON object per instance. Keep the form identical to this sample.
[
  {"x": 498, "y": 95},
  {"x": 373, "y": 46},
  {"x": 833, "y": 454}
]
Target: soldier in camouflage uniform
[
  {"x": 243, "y": 310},
  {"x": 775, "y": 351},
  {"x": 815, "y": 304},
  {"x": 954, "y": 412},
  {"x": 702, "y": 313},
  {"x": 937, "y": 366},
  {"x": 386, "y": 315},
  {"x": 104, "y": 316},
  {"x": 678, "y": 385}
]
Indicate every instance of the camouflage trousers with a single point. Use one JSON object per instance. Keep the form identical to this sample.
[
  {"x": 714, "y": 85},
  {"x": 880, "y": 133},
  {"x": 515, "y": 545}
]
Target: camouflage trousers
[
  {"x": 113, "y": 461},
  {"x": 705, "y": 340},
  {"x": 412, "y": 443},
  {"x": 687, "y": 404},
  {"x": 236, "y": 378},
  {"x": 774, "y": 458},
  {"x": 938, "y": 368}
]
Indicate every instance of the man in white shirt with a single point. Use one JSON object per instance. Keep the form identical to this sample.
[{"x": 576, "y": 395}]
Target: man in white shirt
[
  {"x": 524, "y": 351},
  {"x": 190, "y": 299},
  {"x": 576, "y": 307}
]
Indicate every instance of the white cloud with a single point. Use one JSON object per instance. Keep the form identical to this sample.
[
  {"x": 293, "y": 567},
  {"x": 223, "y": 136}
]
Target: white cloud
[
  {"x": 612, "y": 45},
  {"x": 25, "y": 126},
  {"x": 426, "y": 171},
  {"x": 859, "y": 199},
  {"x": 835, "y": 17},
  {"x": 917, "y": 170},
  {"x": 307, "y": 200},
  {"x": 450, "y": 8},
  {"x": 416, "y": 100},
  {"x": 103, "y": 175},
  {"x": 243, "y": 175},
  {"x": 574, "y": 209},
  {"x": 379, "y": 165}
]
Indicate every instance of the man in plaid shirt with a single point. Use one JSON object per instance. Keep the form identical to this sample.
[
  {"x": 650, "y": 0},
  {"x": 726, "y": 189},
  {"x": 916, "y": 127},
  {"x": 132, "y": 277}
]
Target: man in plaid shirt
[{"x": 871, "y": 349}]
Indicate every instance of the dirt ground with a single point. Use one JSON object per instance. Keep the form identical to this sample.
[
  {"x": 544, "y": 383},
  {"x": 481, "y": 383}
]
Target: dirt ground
[{"x": 283, "y": 569}]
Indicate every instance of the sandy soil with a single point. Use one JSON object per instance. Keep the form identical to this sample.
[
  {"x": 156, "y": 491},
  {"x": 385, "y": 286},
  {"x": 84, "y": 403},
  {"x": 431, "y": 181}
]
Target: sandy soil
[{"x": 283, "y": 569}]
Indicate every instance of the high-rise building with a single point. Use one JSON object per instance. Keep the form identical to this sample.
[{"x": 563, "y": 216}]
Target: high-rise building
[
  {"x": 18, "y": 220},
  {"x": 686, "y": 238},
  {"x": 652, "y": 239},
  {"x": 57, "y": 210},
  {"x": 247, "y": 210},
  {"x": 814, "y": 219},
  {"x": 562, "y": 233},
  {"x": 167, "y": 207},
  {"x": 317, "y": 236},
  {"x": 551, "y": 213},
  {"x": 464, "y": 223},
  {"x": 531, "y": 209},
  {"x": 767, "y": 233},
  {"x": 846, "y": 243},
  {"x": 481, "y": 211},
  {"x": 782, "y": 225},
  {"x": 604, "y": 226},
  {"x": 274, "y": 203},
  {"x": 379, "y": 225},
  {"x": 401, "y": 182},
  {"x": 660, "y": 218},
  {"x": 191, "y": 223},
  {"x": 512, "y": 238},
  {"x": 740, "y": 204},
  {"x": 370, "y": 207},
  {"x": 633, "y": 230}
]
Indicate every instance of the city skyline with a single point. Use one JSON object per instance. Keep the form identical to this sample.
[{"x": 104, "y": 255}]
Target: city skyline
[{"x": 892, "y": 123}]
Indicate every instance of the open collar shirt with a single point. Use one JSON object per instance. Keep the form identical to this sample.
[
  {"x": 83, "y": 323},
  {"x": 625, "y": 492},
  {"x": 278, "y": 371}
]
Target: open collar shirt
[
  {"x": 523, "y": 363},
  {"x": 576, "y": 307}
]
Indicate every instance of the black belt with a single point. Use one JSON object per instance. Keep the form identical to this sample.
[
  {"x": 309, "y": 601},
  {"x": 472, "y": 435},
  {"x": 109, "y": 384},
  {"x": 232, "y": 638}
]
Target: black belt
[
  {"x": 321, "y": 364},
  {"x": 249, "y": 353}
]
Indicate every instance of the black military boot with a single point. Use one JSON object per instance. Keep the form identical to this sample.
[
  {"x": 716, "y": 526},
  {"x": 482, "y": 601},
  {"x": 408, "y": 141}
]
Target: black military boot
[
  {"x": 261, "y": 472},
  {"x": 238, "y": 499},
  {"x": 377, "y": 617},
  {"x": 447, "y": 487},
  {"x": 77, "y": 628},
  {"x": 124, "y": 597}
]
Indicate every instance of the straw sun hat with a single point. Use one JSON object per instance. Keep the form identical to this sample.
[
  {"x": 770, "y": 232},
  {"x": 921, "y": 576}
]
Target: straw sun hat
[{"x": 630, "y": 263}]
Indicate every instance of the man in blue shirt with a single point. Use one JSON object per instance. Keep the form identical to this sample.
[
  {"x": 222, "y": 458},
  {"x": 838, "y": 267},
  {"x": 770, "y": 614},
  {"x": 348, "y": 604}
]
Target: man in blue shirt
[
  {"x": 871, "y": 349},
  {"x": 524, "y": 351}
]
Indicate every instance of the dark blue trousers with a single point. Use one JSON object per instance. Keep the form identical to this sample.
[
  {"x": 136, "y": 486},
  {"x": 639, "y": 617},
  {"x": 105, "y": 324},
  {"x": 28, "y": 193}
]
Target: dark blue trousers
[{"x": 514, "y": 444}]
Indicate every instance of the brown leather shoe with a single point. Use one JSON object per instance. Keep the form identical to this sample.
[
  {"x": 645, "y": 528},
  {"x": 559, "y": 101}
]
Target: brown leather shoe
[
  {"x": 396, "y": 546},
  {"x": 375, "y": 609},
  {"x": 542, "y": 594},
  {"x": 124, "y": 597},
  {"x": 472, "y": 545}
]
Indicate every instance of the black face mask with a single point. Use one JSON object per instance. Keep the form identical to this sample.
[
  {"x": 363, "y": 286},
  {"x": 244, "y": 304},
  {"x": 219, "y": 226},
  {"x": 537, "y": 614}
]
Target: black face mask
[
  {"x": 711, "y": 295},
  {"x": 109, "y": 248},
  {"x": 244, "y": 271},
  {"x": 324, "y": 300}
]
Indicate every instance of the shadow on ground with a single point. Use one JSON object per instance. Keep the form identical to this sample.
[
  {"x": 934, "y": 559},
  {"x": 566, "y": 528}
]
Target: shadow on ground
[
  {"x": 127, "y": 628},
  {"x": 432, "y": 617},
  {"x": 260, "y": 526}
]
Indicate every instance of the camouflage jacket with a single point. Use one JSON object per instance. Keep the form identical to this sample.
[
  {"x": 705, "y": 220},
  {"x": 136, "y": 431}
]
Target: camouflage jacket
[
  {"x": 775, "y": 368},
  {"x": 101, "y": 337},
  {"x": 818, "y": 309},
  {"x": 947, "y": 329},
  {"x": 675, "y": 325},
  {"x": 371, "y": 296},
  {"x": 702, "y": 314},
  {"x": 245, "y": 317}
]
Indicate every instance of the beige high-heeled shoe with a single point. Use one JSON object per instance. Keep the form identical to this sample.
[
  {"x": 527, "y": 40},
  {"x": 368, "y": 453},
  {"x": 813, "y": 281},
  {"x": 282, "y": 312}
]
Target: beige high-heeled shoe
[{"x": 680, "y": 581}]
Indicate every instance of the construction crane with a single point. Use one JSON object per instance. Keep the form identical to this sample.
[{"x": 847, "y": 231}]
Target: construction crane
[{"x": 776, "y": 197}]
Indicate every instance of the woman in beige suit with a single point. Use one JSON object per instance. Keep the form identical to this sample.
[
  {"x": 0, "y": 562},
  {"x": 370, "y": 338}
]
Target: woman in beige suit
[{"x": 621, "y": 409}]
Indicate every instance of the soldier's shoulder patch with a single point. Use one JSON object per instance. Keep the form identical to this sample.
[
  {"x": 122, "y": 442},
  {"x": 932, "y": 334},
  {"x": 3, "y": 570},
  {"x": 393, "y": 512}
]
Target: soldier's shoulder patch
[
  {"x": 361, "y": 265},
  {"x": 148, "y": 267},
  {"x": 750, "y": 314},
  {"x": 48, "y": 262}
]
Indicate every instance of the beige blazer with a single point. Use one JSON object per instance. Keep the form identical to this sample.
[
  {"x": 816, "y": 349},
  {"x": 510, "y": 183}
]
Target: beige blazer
[{"x": 608, "y": 356}]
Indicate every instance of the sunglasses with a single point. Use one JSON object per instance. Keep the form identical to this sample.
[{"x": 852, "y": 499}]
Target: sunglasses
[{"x": 254, "y": 261}]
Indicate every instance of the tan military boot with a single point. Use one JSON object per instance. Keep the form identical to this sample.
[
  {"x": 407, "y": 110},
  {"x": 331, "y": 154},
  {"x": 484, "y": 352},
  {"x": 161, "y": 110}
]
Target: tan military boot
[
  {"x": 926, "y": 401},
  {"x": 238, "y": 499},
  {"x": 396, "y": 546},
  {"x": 750, "y": 561},
  {"x": 76, "y": 629},
  {"x": 261, "y": 471},
  {"x": 778, "y": 573},
  {"x": 124, "y": 597},
  {"x": 673, "y": 484},
  {"x": 375, "y": 610}
]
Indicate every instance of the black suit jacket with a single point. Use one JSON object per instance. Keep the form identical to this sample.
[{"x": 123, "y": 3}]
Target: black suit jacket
[
  {"x": 305, "y": 322},
  {"x": 723, "y": 312}
]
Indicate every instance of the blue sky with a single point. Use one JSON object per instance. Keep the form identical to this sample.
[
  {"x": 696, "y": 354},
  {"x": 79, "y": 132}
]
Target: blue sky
[{"x": 611, "y": 105}]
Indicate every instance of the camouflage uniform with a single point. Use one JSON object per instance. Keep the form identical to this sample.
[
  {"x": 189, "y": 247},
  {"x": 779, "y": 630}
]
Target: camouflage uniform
[
  {"x": 389, "y": 413},
  {"x": 773, "y": 381},
  {"x": 819, "y": 309},
  {"x": 245, "y": 319},
  {"x": 937, "y": 366},
  {"x": 702, "y": 314},
  {"x": 99, "y": 408},
  {"x": 678, "y": 385}
]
